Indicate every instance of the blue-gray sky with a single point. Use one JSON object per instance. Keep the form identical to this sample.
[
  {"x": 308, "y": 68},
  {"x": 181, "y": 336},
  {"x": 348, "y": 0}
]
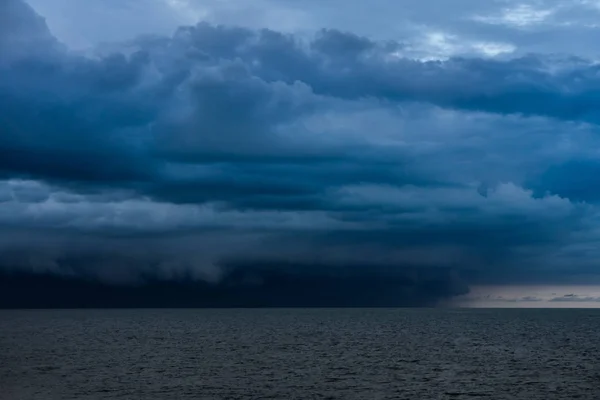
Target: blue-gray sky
[{"x": 456, "y": 141}]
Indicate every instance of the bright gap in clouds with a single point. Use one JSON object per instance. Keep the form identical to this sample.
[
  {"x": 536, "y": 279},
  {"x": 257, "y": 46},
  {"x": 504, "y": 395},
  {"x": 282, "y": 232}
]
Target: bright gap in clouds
[{"x": 530, "y": 296}]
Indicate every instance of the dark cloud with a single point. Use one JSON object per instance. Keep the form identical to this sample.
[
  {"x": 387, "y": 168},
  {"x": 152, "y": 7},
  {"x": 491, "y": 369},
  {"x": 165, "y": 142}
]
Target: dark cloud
[
  {"x": 574, "y": 179},
  {"x": 178, "y": 157},
  {"x": 343, "y": 65},
  {"x": 247, "y": 286}
]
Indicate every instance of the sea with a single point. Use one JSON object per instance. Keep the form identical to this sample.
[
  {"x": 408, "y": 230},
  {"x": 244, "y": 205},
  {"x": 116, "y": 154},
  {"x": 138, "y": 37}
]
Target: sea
[{"x": 300, "y": 354}]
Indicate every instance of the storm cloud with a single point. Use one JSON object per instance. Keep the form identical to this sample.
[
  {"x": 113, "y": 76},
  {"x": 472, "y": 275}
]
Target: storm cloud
[{"x": 331, "y": 163}]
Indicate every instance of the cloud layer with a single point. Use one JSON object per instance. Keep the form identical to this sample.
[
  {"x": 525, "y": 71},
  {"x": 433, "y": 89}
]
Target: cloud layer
[{"x": 220, "y": 146}]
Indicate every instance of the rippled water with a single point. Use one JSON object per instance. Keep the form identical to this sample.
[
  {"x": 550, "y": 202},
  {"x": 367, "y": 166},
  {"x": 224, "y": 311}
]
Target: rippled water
[{"x": 300, "y": 354}]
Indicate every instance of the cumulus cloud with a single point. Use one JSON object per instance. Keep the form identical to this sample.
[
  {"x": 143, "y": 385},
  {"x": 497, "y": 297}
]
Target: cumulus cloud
[
  {"x": 222, "y": 149},
  {"x": 432, "y": 29}
]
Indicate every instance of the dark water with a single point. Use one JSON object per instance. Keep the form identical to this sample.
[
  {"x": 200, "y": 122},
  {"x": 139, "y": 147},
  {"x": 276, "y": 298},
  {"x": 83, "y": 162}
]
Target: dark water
[{"x": 300, "y": 354}]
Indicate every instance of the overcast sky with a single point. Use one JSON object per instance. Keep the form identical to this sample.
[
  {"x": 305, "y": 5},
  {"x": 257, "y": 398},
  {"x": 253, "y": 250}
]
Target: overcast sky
[{"x": 448, "y": 144}]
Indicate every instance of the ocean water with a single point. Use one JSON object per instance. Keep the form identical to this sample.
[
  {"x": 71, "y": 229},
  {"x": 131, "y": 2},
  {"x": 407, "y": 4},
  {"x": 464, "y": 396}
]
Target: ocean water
[{"x": 300, "y": 354}]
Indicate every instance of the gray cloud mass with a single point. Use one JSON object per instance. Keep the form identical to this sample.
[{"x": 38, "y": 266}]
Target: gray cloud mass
[{"x": 224, "y": 148}]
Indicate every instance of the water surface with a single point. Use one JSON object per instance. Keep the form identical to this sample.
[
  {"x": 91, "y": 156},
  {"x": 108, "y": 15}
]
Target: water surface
[{"x": 300, "y": 354}]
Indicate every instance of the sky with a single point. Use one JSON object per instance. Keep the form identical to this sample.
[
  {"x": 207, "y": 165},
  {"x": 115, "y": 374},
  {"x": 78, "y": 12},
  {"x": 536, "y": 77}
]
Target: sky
[{"x": 278, "y": 152}]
